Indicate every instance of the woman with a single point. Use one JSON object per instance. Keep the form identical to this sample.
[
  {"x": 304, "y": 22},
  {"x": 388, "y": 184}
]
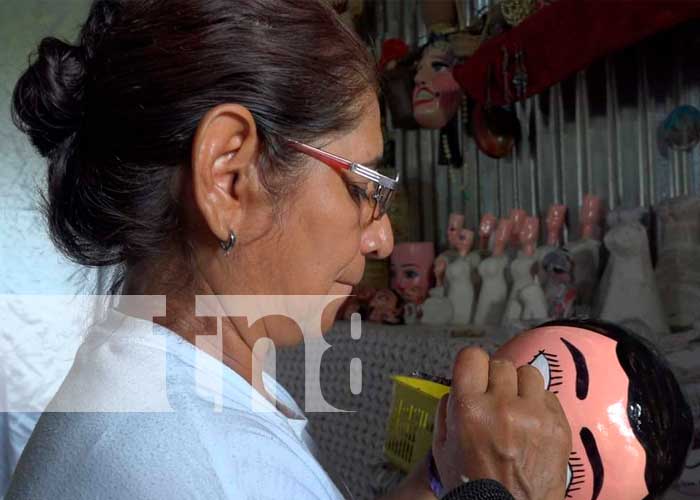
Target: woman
[{"x": 177, "y": 136}]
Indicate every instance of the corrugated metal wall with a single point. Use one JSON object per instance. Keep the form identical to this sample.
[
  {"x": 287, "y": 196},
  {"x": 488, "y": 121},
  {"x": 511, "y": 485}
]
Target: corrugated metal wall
[{"x": 594, "y": 133}]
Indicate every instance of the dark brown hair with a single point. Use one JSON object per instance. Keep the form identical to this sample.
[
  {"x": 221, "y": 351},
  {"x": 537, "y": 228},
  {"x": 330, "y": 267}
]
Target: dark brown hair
[{"x": 116, "y": 113}]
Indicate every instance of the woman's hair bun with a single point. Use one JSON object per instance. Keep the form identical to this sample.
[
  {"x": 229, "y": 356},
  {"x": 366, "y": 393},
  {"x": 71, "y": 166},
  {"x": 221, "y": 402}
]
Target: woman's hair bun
[{"x": 48, "y": 100}]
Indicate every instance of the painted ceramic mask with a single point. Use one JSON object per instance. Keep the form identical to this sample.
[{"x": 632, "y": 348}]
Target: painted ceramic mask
[
  {"x": 436, "y": 95},
  {"x": 410, "y": 270},
  {"x": 631, "y": 426}
]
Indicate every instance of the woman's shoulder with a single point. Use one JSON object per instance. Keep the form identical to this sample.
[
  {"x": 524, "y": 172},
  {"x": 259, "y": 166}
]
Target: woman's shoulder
[{"x": 164, "y": 455}]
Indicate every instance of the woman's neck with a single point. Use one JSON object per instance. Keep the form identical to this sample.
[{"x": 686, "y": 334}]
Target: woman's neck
[{"x": 232, "y": 342}]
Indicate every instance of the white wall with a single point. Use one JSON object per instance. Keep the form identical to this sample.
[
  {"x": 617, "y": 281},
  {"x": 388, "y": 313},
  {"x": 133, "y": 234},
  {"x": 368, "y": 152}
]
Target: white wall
[{"x": 28, "y": 262}]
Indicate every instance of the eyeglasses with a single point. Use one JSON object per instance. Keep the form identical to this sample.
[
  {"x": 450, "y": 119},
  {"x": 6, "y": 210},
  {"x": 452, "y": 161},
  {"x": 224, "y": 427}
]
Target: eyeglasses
[{"x": 380, "y": 199}]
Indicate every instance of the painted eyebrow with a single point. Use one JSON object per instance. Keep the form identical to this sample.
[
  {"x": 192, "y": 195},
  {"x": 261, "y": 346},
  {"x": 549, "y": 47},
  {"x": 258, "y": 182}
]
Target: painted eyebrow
[
  {"x": 581, "y": 370},
  {"x": 591, "y": 448}
]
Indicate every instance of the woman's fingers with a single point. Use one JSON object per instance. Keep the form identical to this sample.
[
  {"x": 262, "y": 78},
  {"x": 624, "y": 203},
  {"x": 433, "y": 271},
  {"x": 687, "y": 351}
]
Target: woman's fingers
[
  {"x": 503, "y": 379},
  {"x": 530, "y": 382},
  {"x": 440, "y": 425},
  {"x": 470, "y": 374}
]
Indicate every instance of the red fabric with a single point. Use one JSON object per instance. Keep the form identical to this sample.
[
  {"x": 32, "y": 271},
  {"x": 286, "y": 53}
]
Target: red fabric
[
  {"x": 566, "y": 37},
  {"x": 392, "y": 50}
]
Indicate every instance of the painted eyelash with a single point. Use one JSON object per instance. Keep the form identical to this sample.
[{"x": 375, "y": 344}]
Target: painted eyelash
[
  {"x": 578, "y": 476},
  {"x": 555, "y": 370}
]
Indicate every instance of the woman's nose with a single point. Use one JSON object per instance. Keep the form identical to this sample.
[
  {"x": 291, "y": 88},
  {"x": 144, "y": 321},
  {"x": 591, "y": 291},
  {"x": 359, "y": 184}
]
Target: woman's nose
[{"x": 378, "y": 239}]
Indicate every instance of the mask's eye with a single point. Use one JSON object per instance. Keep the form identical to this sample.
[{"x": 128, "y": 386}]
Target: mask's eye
[
  {"x": 575, "y": 476},
  {"x": 411, "y": 274},
  {"x": 440, "y": 66},
  {"x": 548, "y": 366}
]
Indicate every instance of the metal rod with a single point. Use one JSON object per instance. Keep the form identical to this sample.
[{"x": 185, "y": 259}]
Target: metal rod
[
  {"x": 641, "y": 131},
  {"x": 611, "y": 114}
]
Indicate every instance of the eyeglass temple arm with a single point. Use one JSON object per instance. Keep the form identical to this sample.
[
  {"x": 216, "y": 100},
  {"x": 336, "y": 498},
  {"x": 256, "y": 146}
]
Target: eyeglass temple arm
[{"x": 324, "y": 156}]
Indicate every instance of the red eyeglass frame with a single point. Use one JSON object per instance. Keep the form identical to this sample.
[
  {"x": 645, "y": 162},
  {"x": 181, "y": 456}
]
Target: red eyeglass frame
[{"x": 386, "y": 187}]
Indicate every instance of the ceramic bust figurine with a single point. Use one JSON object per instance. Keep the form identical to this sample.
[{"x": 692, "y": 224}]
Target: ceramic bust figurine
[
  {"x": 460, "y": 288},
  {"x": 455, "y": 223},
  {"x": 436, "y": 95},
  {"x": 437, "y": 308},
  {"x": 530, "y": 305},
  {"x": 560, "y": 289},
  {"x": 494, "y": 289},
  {"x": 556, "y": 215},
  {"x": 631, "y": 426},
  {"x": 487, "y": 226},
  {"x": 410, "y": 270},
  {"x": 518, "y": 216},
  {"x": 585, "y": 252},
  {"x": 678, "y": 266},
  {"x": 628, "y": 292}
]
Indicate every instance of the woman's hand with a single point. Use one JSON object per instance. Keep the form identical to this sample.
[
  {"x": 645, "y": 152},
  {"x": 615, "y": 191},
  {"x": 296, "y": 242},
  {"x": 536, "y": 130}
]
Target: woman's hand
[{"x": 500, "y": 423}]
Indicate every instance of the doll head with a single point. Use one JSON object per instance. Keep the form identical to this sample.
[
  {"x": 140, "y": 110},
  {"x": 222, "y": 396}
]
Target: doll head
[
  {"x": 465, "y": 242},
  {"x": 384, "y": 298},
  {"x": 555, "y": 221},
  {"x": 436, "y": 95},
  {"x": 529, "y": 234},
  {"x": 591, "y": 214},
  {"x": 455, "y": 223},
  {"x": 503, "y": 234},
  {"x": 630, "y": 424},
  {"x": 410, "y": 270}
]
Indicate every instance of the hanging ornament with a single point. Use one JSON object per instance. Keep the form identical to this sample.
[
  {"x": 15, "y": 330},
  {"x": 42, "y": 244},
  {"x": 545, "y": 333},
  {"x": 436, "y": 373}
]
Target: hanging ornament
[{"x": 515, "y": 11}]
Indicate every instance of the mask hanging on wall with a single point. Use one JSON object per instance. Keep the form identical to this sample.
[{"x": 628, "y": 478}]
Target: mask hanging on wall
[
  {"x": 680, "y": 131},
  {"x": 436, "y": 94},
  {"x": 397, "y": 71}
]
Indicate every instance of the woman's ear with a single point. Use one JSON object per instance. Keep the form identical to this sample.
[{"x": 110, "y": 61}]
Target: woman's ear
[{"x": 224, "y": 167}]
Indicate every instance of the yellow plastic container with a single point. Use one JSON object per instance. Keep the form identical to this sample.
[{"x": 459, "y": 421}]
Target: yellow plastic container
[{"x": 409, "y": 432}]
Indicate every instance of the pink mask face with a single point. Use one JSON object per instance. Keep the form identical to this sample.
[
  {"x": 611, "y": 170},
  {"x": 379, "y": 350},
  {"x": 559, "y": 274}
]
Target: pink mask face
[
  {"x": 410, "y": 270},
  {"x": 455, "y": 224},
  {"x": 437, "y": 94},
  {"x": 581, "y": 367}
]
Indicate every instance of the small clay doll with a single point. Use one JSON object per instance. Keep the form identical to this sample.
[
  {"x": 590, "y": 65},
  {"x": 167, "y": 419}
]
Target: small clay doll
[
  {"x": 554, "y": 222},
  {"x": 559, "y": 289},
  {"x": 523, "y": 269},
  {"x": 461, "y": 289},
  {"x": 455, "y": 223},
  {"x": 586, "y": 251},
  {"x": 494, "y": 289},
  {"x": 384, "y": 307},
  {"x": 437, "y": 308}
]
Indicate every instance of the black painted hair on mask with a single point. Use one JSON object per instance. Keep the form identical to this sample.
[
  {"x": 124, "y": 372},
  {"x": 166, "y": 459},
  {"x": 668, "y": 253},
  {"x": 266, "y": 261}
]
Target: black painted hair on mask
[{"x": 657, "y": 410}]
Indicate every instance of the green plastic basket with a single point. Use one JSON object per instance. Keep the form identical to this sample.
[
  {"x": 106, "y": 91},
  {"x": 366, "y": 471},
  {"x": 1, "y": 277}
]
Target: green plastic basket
[{"x": 409, "y": 433}]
